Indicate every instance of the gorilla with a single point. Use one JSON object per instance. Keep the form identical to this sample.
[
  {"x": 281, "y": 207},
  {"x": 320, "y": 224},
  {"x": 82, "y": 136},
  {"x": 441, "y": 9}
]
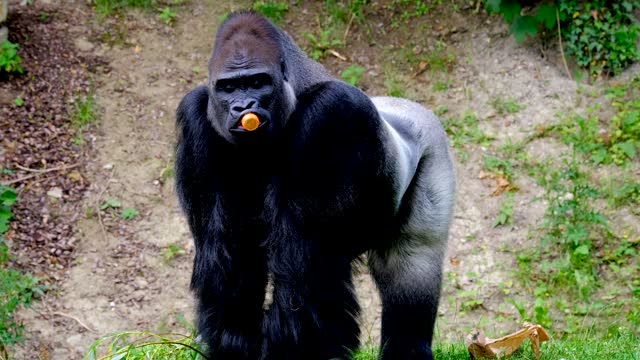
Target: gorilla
[{"x": 329, "y": 174}]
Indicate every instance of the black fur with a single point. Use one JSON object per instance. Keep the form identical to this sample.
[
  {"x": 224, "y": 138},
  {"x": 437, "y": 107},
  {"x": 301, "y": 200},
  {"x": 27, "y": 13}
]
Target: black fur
[{"x": 298, "y": 200}]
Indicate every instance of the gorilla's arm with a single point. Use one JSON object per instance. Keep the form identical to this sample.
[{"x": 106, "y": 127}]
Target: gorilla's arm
[
  {"x": 334, "y": 199},
  {"x": 228, "y": 280}
]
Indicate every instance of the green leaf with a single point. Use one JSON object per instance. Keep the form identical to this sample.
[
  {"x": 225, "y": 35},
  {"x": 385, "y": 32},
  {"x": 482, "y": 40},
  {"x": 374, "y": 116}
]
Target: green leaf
[
  {"x": 599, "y": 156},
  {"x": 547, "y": 14},
  {"x": 523, "y": 26},
  {"x": 628, "y": 148},
  {"x": 510, "y": 10},
  {"x": 7, "y": 196},
  {"x": 111, "y": 203},
  {"x": 581, "y": 250},
  {"x": 18, "y": 101},
  {"x": 493, "y": 6},
  {"x": 129, "y": 213}
]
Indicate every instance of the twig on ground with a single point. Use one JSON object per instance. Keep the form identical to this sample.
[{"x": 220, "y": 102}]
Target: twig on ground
[
  {"x": 106, "y": 186},
  {"x": 564, "y": 60},
  {"x": 337, "y": 54},
  {"x": 74, "y": 318},
  {"x": 37, "y": 172},
  {"x": 346, "y": 32}
]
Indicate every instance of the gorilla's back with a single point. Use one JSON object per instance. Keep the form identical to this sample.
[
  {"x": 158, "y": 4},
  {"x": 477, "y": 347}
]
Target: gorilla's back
[{"x": 418, "y": 144}]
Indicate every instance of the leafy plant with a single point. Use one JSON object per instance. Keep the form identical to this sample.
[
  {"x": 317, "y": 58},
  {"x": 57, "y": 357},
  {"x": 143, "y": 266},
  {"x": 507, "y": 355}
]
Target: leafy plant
[
  {"x": 619, "y": 142},
  {"x": 167, "y": 15},
  {"x": 84, "y": 109},
  {"x": 573, "y": 227},
  {"x": 601, "y": 35},
  {"x": 505, "y": 211},
  {"x": 273, "y": 10},
  {"x": 129, "y": 213},
  {"x": 9, "y": 59},
  {"x": 498, "y": 166},
  {"x": 18, "y": 101},
  {"x": 16, "y": 288},
  {"x": 7, "y": 198},
  {"x": 625, "y": 193},
  {"x": 323, "y": 42},
  {"x": 110, "y": 204},
  {"x": 352, "y": 74},
  {"x": 171, "y": 251}
]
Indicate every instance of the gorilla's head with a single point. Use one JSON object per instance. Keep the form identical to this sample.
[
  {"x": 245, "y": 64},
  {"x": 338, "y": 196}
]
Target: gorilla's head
[{"x": 248, "y": 73}]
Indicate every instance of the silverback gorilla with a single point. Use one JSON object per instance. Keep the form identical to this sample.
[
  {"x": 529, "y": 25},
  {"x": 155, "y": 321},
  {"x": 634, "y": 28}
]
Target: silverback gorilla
[{"x": 328, "y": 175}]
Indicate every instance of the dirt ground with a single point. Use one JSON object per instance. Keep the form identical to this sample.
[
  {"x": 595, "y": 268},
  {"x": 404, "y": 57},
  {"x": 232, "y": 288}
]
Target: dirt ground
[{"x": 121, "y": 279}]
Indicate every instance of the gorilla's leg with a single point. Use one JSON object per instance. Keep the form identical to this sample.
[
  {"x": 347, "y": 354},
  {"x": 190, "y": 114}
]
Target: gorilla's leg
[
  {"x": 409, "y": 283},
  {"x": 314, "y": 309},
  {"x": 230, "y": 293}
]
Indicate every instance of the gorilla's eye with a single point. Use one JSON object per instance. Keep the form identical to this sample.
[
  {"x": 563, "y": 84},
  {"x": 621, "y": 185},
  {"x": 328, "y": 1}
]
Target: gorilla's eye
[
  {"x": 225, "y": 86},
  {"x": 256, "y": 83},
  {"x": 259, "y": 81}
]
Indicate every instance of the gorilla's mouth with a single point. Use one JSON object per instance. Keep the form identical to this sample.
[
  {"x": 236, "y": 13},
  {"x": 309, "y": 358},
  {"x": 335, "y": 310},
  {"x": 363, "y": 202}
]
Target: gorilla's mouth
[{"x": 238, "y": 128}]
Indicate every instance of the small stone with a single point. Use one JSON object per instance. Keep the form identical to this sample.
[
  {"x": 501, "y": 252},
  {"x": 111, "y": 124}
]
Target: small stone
[
  {"x": 83, "y": 44},
  {"x": 108, "y": 166},
  {"x": 55, "y": 192},
  {"x": 75, "y": 176},
  {"x": 74, "y": 340},
  {"x": 4, "y": 9},
  {"x": 4, "y": 33}
]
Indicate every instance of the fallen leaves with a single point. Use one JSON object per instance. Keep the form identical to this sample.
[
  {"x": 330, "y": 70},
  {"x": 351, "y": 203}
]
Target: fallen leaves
[
  {"x": 501, "y": 182},
  {"x": 480, "y": 346}
]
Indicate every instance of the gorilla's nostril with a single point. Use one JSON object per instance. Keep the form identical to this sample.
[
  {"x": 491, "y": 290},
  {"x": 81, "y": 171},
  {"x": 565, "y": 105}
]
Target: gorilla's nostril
[{"x": 242, "y": 107}]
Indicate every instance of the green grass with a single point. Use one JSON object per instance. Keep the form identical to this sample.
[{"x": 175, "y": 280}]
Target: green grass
[
  {"x": 465, "y": 129},
  {"x": 605, "y": 141},
  {"x": 619, "y": 344},
  {"x": 394, "y": 85},
  {"x": 108, "y": 7},
  {"x": 274, "y": 10},
  {"x": 143, "y": 345},
  {"x": 580, "y": 254},
  {"x": 506, "y": 106},
  {"x": 84, "y": 110}
]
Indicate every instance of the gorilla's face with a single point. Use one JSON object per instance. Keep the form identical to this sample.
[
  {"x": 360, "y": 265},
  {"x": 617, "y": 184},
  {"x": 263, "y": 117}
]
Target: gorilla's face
[
  {"x": 244, "y": 91},
  {"x": 247, "y": 75}
]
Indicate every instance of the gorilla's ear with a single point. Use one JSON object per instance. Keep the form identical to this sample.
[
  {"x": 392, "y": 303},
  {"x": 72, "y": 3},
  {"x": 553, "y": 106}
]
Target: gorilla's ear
[{"x": 283, "y": 69}]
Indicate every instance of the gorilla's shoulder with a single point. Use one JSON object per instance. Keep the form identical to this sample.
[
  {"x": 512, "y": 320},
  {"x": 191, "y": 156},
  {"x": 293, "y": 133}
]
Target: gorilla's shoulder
[
  {"x": 193, "y": 105},
  {"x": 339, "y": 98}
]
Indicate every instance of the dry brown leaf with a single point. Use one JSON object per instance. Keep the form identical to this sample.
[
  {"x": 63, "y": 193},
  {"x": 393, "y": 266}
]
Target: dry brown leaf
[
  {"x": 480, "y": 346},
  {"x": 502, "y": 185},
  {"x": 75, "y": 176},
  {"x": 422, "y": 67}
]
